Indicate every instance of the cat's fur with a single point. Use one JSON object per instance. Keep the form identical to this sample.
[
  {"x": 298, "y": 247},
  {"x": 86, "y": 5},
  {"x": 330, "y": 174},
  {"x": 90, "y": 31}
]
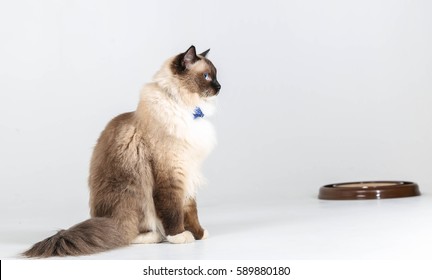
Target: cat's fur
[{"x": 145, "y": 167}]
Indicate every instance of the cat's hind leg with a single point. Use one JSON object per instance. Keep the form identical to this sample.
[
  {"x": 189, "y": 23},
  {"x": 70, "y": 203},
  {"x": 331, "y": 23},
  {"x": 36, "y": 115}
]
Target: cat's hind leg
[{"x": 148, "y": 238}]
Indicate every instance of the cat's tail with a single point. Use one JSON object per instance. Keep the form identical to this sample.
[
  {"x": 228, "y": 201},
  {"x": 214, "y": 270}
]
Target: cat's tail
[{"x": 91, "y": 236}]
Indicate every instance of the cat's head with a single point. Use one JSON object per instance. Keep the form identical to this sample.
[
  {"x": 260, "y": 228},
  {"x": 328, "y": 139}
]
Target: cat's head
[{"x": 195, "y": 73}]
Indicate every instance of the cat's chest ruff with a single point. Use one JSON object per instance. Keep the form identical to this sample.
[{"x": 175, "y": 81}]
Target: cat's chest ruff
[
  {"x": 198, "y": 132},
  {"x": 192, "y": 129}
]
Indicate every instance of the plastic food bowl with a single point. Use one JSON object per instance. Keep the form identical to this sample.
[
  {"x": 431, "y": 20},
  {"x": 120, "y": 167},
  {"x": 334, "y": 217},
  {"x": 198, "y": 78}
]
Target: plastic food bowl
[{"x": 369, "y": 190}]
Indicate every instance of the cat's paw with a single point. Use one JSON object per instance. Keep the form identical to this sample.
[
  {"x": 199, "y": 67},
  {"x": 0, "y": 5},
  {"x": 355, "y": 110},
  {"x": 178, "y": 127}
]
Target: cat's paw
[
  {"x": 184, "y": 237},
  {"x": 205, "y": 235},
  {"x": 148, "y": 238}
]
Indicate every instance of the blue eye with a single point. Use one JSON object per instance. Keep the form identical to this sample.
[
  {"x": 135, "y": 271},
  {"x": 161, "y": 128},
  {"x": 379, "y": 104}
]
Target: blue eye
[{"x": 207, "y": 76}]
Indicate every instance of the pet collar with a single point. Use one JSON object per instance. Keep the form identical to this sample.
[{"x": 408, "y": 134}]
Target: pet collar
[{"x": 198, "y": 113}]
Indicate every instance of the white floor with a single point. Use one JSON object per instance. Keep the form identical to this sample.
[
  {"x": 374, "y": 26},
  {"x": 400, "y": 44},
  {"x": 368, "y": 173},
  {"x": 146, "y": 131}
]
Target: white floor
[{"x": 278, "y": 228}]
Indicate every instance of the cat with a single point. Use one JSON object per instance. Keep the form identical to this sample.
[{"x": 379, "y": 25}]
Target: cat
[{"x": 145, "y": 167}]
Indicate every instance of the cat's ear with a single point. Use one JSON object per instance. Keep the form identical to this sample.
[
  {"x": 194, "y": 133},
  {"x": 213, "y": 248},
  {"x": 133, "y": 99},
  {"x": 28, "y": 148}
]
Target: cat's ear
[
  {"x": 205, "y": 53},
  {"x": 190, "y": 57}
]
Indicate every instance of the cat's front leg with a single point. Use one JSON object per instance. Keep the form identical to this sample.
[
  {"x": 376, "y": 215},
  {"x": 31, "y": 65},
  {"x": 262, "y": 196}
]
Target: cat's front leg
[
  {"x": 169, "y": 203},
  {"x": 191, "y": 221}
]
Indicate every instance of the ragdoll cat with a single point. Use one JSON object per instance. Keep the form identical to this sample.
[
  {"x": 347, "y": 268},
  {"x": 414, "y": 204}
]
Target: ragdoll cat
[{"x": 145, "y": 167}]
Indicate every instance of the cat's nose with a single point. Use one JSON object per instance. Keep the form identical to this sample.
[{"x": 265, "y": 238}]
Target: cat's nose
[{"x": 217, "y": 86}]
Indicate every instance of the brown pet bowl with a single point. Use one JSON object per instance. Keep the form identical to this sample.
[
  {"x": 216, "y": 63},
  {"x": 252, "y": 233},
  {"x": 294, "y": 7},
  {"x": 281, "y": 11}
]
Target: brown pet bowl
[{"x": 369, "y": 190}]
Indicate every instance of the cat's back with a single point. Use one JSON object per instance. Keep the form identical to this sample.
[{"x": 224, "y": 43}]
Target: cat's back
[
  {"x": 117, "y": 130},
  {"x": 119, "y": 145}
]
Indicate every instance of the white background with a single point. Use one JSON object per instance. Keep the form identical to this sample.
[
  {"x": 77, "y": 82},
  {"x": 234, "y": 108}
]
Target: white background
[{"x": 313, "y": 92}]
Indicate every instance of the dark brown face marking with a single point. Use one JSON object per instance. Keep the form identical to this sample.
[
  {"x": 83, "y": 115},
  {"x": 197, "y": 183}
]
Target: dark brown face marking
[
  {"x": 206, "y": 80},
  {"x": 201, "y": 79}
]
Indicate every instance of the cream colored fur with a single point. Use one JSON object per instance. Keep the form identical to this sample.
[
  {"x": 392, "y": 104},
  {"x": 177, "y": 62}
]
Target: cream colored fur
[
  {"x": 164, "y": 105},
  {"x": 195, "y": 138},
  {"x": 184, "y": 237},
  {"x": 148, "y": 238}
]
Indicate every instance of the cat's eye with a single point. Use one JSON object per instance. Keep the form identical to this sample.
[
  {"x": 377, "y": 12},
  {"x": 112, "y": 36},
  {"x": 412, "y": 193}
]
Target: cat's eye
[{"x": 207, "y": 76}]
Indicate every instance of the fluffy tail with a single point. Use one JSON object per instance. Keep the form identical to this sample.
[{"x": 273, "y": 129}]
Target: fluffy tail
[{"x": 91, "y": 236}]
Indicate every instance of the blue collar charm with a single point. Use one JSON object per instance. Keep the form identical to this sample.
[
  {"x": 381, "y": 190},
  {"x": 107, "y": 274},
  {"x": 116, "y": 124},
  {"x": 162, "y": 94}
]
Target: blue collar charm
[{"x": 198, "y": 113}]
